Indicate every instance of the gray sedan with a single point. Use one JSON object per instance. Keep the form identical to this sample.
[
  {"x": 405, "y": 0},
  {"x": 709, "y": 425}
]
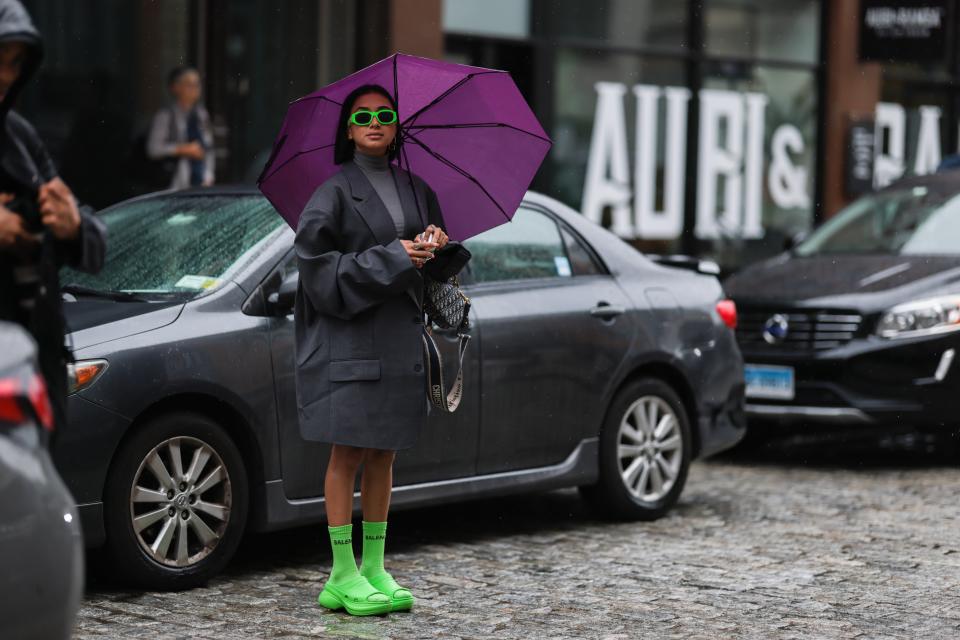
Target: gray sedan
[
  {"x": 590, "y": 366},
  {"x": 41, "y": 547}
]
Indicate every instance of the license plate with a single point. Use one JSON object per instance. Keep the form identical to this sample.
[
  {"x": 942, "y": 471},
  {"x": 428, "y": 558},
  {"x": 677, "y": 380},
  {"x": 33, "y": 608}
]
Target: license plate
[{"x": 765, "y": 381}]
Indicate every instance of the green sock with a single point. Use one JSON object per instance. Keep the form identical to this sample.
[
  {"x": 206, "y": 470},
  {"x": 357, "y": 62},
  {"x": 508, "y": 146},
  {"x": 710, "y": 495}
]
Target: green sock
[
  {"x": 344, "y": 564},
  {"x": 374, "y": 540}
]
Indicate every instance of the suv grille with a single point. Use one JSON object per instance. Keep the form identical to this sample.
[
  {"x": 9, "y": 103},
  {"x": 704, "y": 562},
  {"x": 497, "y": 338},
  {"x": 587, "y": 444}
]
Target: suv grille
[{"x": 805, "y": 330}]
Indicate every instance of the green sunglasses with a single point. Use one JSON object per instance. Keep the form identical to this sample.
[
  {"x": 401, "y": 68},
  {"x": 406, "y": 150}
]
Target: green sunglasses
[{"x": 363, "y": 118}]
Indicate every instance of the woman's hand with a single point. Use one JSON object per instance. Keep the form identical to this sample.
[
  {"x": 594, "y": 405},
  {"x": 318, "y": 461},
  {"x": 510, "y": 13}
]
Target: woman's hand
[
  {"x": 419, "y": 252},
  {"x": 439, "y": 237}
]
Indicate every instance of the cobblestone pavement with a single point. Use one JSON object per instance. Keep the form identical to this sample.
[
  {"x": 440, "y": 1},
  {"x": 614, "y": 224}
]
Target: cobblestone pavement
[{"x": 804, "y": 545}]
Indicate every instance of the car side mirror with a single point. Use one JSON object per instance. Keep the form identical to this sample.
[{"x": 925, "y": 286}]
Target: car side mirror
[
  {"x": 282, "y": 300},
  {"x": 792, "y": 241}
]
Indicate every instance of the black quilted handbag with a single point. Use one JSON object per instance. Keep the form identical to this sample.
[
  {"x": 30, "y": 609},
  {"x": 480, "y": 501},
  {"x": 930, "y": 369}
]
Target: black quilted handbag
[
  {"x": 447, "y": 308},
  {"x": 446, "y": 305}
]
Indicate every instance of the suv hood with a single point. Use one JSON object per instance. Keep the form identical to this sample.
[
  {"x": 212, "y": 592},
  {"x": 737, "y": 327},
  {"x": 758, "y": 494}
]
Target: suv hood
[
  {"x": 867, "y": 281},
  {"x": 92, "y": 321}
]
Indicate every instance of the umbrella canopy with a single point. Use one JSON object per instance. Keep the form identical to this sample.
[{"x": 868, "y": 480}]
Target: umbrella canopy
[{"x": 465, "y": 130}]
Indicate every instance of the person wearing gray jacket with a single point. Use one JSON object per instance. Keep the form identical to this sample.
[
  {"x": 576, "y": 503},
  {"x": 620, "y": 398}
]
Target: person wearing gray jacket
[
  {"x": 181, "y": 133},
  {"x": 362, "y": 242}
]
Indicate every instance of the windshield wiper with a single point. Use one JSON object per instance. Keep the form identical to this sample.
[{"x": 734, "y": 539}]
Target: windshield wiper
[{"x": 119, "y": 296}]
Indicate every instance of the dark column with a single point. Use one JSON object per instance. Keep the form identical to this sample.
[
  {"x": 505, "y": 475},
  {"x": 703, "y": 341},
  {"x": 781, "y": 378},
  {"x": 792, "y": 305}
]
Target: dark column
[{"x": 695, "y": 38}]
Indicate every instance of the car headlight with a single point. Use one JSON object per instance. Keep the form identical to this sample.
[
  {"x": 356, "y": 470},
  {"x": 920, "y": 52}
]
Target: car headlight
[
  {"x": 83, "y": 373},
  {"x": 920, "y": 318}
]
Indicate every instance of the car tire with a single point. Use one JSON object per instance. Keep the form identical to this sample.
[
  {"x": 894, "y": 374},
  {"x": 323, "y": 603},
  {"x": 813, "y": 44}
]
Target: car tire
[
  {"x": 178, "y": 531},
  {"x": 628, "y": 486}
]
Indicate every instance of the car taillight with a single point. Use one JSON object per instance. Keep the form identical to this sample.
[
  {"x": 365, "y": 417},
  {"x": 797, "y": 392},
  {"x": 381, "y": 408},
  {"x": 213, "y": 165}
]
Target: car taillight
[
  {"x": 15, "y": 402},
  {"x": 40, "y": 400},
  {"x": 727, "y": 310},
  {"x": 11, "y": 407}
]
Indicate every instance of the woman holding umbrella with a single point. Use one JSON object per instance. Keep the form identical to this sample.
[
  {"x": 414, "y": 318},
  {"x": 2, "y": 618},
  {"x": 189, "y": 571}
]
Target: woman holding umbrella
[
  {"x": 364, "y": 237},
  {"x": 361, "y": 243}
]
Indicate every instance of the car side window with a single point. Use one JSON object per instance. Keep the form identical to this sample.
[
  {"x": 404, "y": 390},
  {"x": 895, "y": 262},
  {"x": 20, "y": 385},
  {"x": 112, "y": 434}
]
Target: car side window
[
  {"x": 582, "y": 261},
  {"x": 530, "y": 246}
]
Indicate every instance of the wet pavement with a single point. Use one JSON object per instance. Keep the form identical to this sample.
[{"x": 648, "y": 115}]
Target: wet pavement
[{"x": 806, "y": 540}]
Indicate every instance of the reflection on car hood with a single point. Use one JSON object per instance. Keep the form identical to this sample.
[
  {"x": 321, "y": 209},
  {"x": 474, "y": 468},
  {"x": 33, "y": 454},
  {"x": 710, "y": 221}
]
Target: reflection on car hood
[
  {"x": 92, "y": 321},
  {"x": 791, "y": 278}
]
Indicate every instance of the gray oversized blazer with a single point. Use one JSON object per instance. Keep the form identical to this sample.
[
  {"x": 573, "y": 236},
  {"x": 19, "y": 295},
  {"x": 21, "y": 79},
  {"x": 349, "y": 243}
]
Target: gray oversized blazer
[{"x": 360, "y": 376}]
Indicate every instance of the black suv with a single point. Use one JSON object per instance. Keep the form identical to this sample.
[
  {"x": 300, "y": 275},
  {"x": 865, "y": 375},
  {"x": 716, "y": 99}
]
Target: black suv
[{"x": 858, "y": 324}]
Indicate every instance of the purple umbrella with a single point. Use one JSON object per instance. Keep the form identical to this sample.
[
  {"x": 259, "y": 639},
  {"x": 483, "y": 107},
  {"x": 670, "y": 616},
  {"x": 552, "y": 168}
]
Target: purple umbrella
[{"x": 467, "y": 131}]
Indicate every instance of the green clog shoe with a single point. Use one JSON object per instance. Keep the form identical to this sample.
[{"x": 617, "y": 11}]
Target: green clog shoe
[
  {"x": 357, "y": 596},
  {"x": 400, "y": 597}
]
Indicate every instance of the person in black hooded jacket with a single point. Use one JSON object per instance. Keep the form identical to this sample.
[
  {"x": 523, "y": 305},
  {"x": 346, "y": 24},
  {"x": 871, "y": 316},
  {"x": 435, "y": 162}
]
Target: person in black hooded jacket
[{"x": 42, "y": 227}]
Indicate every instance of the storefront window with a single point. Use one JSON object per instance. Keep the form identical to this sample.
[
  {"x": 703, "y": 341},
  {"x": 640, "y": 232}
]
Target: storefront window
[
  {"x": 629, "y": 23},
  {"x": 760, "y": 29},
  {"x": 783, "y": 122},
  {"x": 595, "y": 92},
  {"x": 914, "y": 128},
  {"x": 730, "y": 179}
]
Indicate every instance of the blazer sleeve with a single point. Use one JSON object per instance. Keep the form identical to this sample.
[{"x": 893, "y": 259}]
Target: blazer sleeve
[
  {"x": 88, "y": 250},
  {"x": 344, "y": 284}
]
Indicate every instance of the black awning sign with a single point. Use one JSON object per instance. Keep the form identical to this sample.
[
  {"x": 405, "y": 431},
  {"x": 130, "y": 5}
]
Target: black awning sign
[{"x": 903, "y": 30}]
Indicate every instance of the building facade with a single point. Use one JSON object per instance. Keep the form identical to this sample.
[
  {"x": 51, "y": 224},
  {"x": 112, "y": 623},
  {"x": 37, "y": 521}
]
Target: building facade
[
  {"x": 719, "y": 128},
  {"x": 723, "y": 128}
]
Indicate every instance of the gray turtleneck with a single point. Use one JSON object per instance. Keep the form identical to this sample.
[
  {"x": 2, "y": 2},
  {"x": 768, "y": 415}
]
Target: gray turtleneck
[{"x": 377, "y": 170}]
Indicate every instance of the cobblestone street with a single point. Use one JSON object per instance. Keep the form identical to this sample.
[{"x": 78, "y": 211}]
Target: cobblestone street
[{"x": 805, "y": 545}]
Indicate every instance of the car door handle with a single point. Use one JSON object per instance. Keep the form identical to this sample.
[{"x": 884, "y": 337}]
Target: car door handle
[{"x": 606, "y": 311}]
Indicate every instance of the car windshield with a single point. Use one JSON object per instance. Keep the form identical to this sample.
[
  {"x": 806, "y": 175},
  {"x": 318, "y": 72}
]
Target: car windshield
[
  {"x": 911, "y": 221},
  {"x": 176, "y": 246}
]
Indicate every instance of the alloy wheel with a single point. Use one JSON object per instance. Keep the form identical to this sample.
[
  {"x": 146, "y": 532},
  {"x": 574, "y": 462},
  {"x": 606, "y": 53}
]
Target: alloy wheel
[
  {"x": 649, "y": 448},
  {"x": 179, "y": 511}
]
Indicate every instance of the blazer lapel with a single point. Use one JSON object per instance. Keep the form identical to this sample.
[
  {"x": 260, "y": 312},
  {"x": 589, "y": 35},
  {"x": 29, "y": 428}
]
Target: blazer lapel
[
  {"x": 369, "y": 206},
  {"x": 374, "y": 213}
]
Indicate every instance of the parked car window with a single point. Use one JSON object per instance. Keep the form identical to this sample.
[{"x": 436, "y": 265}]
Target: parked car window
[
  {"x": 915, "y": 220},
  {"x": 581, "y": 260},
  {"x": 177, "y": 246},
  {"x": 529, "y": 246}
]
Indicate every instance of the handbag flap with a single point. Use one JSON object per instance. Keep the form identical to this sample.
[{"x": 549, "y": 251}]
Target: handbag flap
[{"x": 448, "y": 261}]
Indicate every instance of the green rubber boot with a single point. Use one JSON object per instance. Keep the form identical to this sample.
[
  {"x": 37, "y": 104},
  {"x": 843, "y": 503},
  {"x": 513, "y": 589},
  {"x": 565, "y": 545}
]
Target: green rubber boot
[
  {"x": 346, "y": 588},
  {"x": 371, "y": 567}
]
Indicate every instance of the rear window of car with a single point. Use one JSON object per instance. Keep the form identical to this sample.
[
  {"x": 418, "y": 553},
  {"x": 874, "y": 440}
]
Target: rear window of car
[{"x": 177, "y": 246}]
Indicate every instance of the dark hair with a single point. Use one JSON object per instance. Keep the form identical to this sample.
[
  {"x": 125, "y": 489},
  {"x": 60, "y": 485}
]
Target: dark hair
[
  {"x": 178, "y": 72},
  {"x": 343, "y": 147}
]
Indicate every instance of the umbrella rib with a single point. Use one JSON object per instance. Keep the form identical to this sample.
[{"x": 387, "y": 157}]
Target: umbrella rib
[
  {"x": 294, "y": 157},
  {"x": 478, "y": 125},
  {"x": 308, "y": 98},
  {"x": 443, "y": 95},
  {"x": 458, "y": 170}
]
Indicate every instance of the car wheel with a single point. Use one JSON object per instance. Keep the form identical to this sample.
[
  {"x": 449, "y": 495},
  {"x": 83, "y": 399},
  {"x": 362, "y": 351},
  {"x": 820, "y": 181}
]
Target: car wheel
[
  {"x": 176, "y": 502},
  {"x": 645, "y": 451}
]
